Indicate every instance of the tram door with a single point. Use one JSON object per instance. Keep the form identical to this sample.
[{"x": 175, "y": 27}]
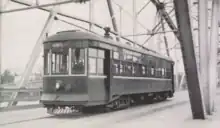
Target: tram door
[{"x": 108, "y": 73}]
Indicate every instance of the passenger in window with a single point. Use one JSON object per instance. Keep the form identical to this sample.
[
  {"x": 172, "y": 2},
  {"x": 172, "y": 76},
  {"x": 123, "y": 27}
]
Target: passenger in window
[{"x": 78, "y": 62}]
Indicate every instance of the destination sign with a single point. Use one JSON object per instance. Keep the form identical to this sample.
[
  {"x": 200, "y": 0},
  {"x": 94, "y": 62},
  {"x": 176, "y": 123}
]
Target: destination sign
[{"x": 57, "y": 45}]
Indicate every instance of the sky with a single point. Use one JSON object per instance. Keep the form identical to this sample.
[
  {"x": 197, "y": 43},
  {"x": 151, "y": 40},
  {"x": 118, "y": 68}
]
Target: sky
[{"x": 20, "y": 30}]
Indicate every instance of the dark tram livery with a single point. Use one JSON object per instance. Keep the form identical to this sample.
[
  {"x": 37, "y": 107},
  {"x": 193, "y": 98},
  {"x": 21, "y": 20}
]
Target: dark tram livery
[{"x": 84, "y": 70}]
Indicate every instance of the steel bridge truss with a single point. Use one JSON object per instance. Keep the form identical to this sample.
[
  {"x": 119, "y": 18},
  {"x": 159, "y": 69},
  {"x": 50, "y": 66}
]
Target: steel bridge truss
[{"x": 182, "y": 32}]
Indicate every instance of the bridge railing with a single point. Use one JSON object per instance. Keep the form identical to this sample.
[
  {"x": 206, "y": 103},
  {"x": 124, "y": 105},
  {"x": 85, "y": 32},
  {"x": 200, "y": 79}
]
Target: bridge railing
[
  {"x": 27, "y": 97},
  {"x": 31, "y": 94}
]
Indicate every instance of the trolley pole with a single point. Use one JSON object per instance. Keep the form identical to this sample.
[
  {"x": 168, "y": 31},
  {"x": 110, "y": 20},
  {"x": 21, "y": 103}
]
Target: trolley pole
[
  {"x": 190, "y": 66},
  {"x": 204, "y": 50}
]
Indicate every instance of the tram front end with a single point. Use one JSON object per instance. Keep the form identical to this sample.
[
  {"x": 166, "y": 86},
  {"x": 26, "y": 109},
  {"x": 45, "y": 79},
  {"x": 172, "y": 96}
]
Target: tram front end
[{"x": 65, "y": 75}]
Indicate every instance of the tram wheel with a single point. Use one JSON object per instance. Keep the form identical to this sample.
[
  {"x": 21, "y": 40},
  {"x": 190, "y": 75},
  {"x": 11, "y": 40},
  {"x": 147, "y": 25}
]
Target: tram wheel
[{"x": 50, "y": 110}]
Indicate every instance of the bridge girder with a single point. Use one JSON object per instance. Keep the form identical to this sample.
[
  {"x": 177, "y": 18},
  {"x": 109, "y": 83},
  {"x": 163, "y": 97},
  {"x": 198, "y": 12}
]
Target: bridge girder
[{"x": 166, "y": 17}]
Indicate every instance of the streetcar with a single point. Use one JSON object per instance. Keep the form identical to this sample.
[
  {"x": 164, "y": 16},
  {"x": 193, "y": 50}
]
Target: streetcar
[{"x": 83, "y": 70}]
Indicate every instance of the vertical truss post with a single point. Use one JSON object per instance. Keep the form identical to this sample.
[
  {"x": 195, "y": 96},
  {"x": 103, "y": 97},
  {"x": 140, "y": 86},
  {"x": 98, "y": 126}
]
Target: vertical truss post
[
  {"x": 203, "y": 50},
  {"x": 164, "y": 37},
  {"x": 35, "y": 54},
  {"x": 160, "y": 9},
  {"x": 114, "y": 24},
  {"x": 1, "y": 8},
  {"x": 91, "y": 14},
  {"x": 177, "y": 72},
  {"x": 120, "y": 29},
  {"x": 37, "y": 2},
  {"x": 213, "y": 55},
  {"x": 181, "y": 82},
  {"x": 134, "y": 21},
  {"x": 1, "y": 17},
  {"x": 187, "y": 48}
]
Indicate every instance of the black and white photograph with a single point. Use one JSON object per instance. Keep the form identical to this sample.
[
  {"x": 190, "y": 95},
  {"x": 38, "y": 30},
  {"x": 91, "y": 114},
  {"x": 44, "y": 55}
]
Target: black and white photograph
[{"x": 109, "y": 63}]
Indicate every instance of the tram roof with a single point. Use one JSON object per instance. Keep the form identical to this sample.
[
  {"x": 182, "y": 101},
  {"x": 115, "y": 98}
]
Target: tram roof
[{"x": 80, "y": 35}]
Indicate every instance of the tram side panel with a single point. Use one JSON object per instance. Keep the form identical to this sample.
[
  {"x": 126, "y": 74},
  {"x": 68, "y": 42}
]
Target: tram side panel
[
  {"x": 123, "y": 85},
  {"x": 97, "y": 90}
]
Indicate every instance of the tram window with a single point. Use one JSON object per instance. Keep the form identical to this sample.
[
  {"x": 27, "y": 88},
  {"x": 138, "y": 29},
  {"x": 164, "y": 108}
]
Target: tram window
[
  {"x": 78, "y": 61},
  {"x": 158, "y": 71},
  {"x": 168, "y": 73},
  {"x": 133, "y": 69},
  {"x": 92, "y": 52},
  {"x": 129, "y": 57},
  {"x": 115, "y": 55},
  {"x": 128, "y": 69},
  {"x": 152, "y": 71},
  {"x": 96, "y": 61},
  {"x": 155, "y": 72},
  {"x": 137, "y": 70},
  {"x": 100, "y": 67},
  {"x": 163, "y": 72},
  {"x": 116, "y": 67},
  {"x": 135, "y": 59},
  {"x": 143, "y": 70},
  {"x": 101, "y": 54},
  {"x": 53, "y": 63},
  {"x": 121, "y": 69},
  {"x": 59, "y": 61},
  {"x": 92, "y": 65},
  {"x": 147, "y": 71}
]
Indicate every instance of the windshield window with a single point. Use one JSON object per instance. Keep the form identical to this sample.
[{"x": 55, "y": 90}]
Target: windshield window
[
  {"x": 60, "y": 61},
  {"x": 64, "y": 61},
  {"x": 78, "y": 61}
]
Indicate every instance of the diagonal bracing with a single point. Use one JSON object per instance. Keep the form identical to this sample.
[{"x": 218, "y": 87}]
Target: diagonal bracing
[
  {"x": 166, "y": 17},
  {"x": 35, "y": 55}
]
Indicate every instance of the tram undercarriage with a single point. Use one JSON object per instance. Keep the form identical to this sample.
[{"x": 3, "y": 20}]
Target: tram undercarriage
[{"x": 122, "y": 102}]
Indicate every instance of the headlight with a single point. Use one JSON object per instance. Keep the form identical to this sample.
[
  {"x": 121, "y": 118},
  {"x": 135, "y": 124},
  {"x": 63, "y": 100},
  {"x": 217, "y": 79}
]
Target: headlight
[{"x": 57, "y": 85}]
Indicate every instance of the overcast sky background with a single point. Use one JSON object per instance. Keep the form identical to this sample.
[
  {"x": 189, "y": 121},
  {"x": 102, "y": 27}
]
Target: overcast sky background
[{"x": 20, "y": 30}]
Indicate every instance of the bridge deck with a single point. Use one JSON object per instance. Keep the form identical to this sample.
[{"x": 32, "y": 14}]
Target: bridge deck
[{"x": 174, "y": 113}]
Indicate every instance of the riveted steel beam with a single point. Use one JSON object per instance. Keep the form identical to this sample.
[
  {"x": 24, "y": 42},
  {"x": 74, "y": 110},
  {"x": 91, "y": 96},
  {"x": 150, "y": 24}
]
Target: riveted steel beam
[{"x": 189, "y": 59}]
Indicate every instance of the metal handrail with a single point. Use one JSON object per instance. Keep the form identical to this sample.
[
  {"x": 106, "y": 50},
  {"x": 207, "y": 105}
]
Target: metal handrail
[{"x": 20, "y": 90}]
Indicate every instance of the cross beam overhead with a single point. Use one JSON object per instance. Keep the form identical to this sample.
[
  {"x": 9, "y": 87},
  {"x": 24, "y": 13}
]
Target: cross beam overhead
[
  {"x": 39, "y": 6},
  {"x": 82, "y": 20},
  {"x": 166, "y": 17}
]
